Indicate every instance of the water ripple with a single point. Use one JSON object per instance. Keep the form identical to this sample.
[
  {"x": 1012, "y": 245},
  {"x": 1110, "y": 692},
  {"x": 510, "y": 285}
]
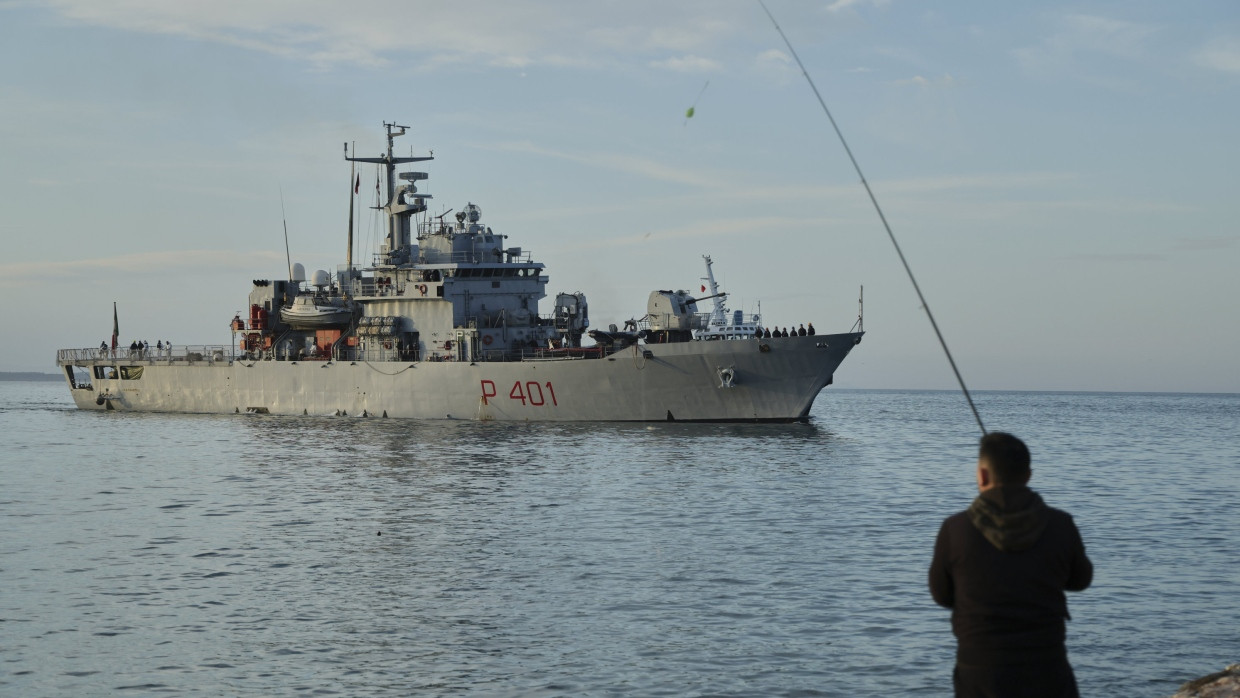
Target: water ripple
[{"x": 260, "y": 555}]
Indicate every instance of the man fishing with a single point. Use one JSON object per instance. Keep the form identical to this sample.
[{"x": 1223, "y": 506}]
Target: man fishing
[{"x": 1002, "y": 566}]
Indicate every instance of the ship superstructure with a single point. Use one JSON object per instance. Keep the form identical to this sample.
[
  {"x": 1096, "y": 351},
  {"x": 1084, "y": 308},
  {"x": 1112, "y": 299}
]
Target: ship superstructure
[
  {"x": 722, "y": 323},
  {"x": 446, "y": 323}
]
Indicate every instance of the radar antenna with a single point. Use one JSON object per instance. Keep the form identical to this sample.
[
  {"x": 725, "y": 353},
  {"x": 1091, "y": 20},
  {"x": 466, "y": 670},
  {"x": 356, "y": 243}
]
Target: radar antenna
[{"x": 398, "y": 213}]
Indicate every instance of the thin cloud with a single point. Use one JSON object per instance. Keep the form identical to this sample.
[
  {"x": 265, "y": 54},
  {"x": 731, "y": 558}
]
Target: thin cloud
[
  {"x": 670, "y": 34},
  {"x": 506, "y": 35},
  {"x": 712, "y": 194},
  {"x": 944, "y": 81},
  {"x": 628, "y": 164},
  {"x": 688, "y": 64},
  {"x": 1079, "y": 34},
  {"x": 144, "y": 263},
  {"x": 325, "y": 33},
  {"x": 1017, "y": 181},
  {"x": 774, "y": 65},
  {"x": 841, "y": 5},
  {"x": 1123, "y": 258},
  {"x": 1221, "y": 55},
  {"x": 1116, "y": 37},
  {"x": 1205, "y": 244},
  {"x": 722, "y": 227},
  {"x": 775, "y": 56}
]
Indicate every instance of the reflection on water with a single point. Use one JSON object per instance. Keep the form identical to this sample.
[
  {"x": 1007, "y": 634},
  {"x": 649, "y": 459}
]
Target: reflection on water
[{"x": 253, "y": 554}]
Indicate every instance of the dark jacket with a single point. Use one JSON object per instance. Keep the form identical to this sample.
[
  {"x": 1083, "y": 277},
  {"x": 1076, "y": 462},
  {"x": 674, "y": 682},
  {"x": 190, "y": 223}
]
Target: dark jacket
[{"x": 1002, "y": 566}]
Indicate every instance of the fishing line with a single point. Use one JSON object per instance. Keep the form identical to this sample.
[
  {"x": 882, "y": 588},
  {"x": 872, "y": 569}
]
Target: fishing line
[
  {"x": 883, "y": 218},
  {"x": 693, "y": 107}
]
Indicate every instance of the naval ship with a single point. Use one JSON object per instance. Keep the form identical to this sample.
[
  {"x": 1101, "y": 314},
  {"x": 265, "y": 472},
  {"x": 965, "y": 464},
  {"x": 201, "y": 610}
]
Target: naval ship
[{"x": 445, "y": 323}]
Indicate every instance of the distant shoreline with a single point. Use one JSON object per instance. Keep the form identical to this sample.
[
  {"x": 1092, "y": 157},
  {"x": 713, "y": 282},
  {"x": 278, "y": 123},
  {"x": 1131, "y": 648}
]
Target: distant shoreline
[{"x": 29, "y": 376}]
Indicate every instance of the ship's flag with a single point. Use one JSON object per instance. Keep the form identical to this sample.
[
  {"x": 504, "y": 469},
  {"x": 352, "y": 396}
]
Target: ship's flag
[
  {"x": 357, "y": 186},
  {"x": 116, "y": 328},
  {"x": 703, "y": 289}
]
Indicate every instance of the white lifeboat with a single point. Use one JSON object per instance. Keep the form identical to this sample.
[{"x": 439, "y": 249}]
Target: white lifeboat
[{"x": 309, "y": 312}]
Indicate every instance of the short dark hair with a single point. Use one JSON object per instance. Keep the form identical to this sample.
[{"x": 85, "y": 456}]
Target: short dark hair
[{"x": 1006, "y": 456}]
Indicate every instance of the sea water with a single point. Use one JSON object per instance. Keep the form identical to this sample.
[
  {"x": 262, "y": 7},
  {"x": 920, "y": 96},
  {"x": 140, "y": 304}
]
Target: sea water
[{"x": 256, "y": 555}]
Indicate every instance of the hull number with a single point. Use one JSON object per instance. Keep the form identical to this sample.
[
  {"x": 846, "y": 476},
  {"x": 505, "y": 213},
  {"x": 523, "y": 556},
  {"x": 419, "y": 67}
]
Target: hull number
[{"x": 530, "y": 393}]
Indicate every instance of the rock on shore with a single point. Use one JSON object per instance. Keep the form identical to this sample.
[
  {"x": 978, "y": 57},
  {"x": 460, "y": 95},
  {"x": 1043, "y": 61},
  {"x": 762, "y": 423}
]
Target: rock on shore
[{"x": 1222, "y": 684}]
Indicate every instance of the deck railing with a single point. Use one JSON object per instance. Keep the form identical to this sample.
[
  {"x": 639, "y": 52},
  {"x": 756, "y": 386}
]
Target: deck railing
[{"x": 188, "y": 354}]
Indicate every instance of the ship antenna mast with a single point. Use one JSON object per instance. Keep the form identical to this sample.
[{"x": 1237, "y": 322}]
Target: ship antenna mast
[
  {"x": 284, "y": 218},
  {"x": 353, "y": 184},
  {"x": 719, "y": 314},
  {"x": 398, "y": 212}
]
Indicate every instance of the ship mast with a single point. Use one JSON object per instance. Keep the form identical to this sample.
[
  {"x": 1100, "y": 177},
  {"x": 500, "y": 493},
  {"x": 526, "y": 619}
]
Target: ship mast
[
  {"x": 718, "y": 316},
  {"x": 398, "y": 211}
]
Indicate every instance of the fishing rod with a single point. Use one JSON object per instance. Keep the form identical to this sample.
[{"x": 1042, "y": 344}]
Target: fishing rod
[{"x": 883, "y": 218}]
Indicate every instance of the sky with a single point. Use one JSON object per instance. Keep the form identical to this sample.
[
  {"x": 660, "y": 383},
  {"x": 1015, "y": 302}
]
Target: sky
[{"x": 1062, "y": 177}]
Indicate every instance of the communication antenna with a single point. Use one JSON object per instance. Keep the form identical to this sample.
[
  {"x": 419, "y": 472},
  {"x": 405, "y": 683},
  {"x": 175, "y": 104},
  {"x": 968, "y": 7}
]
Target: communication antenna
[
  {"x": 881, "y": 217},
  {"x": 354, "y": 184},
  {"x": 284, "y": 218}
]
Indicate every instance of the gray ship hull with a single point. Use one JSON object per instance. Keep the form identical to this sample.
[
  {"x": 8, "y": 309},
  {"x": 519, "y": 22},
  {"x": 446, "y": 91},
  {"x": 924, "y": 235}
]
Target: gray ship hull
[{"x": 774, "y": 379}]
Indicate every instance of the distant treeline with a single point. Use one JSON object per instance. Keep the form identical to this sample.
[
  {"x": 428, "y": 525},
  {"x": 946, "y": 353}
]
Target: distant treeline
[{"x": 29, "y": 376}]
